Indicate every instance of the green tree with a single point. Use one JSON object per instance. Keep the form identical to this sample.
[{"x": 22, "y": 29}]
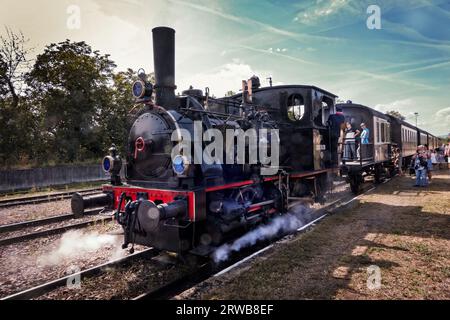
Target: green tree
[
  {"x": 13, "y": 63},
  {"x": 113, "y": 118},
  {"x": 3, "y": 70},
  {"x": 70, "y": 84},
  {"x": 72, "y": 107},
  {"x": 16, "y": 122},
  {"x": 396, "y": 114},
  {"x": 118, "y": 116},
  {"x": 230, "y": 93}
]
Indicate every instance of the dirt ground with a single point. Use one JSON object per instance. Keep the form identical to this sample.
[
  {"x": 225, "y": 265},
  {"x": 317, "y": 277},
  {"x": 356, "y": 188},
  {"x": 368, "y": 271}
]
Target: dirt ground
[
  {"x": 34, "y": 211},
  {"x": 30, "y": 263},
  {"x": 393, "y": 244}
]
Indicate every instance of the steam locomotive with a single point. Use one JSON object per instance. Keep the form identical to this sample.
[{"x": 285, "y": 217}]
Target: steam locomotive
[{"x": 174, "y": 201}]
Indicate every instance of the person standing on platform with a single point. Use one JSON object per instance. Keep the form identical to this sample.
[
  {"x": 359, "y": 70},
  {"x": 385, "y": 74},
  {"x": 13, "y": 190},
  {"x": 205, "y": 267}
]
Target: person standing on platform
[
  {"x": 349, "y": 142},
  {"x": 364, "y": 140},
  {"x": 420, "y": 165},
  {"x": 336, "y": 123}
]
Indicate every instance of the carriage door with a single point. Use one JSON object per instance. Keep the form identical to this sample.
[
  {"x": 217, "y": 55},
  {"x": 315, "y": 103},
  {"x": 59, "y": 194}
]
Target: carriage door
[{"x": 381, "y": 139}]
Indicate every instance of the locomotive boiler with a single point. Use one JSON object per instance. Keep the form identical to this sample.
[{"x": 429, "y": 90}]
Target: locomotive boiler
[{"x": 199, "y": 170}]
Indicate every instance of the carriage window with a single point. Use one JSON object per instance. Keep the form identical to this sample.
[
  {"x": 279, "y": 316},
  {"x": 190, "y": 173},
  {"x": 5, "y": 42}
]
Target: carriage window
[
  {"x": 384, "y": 132},
  {"x": 325, "y": 113},
  {"x": 296, "y": 107},
  {"x": 378, "y": 132}
]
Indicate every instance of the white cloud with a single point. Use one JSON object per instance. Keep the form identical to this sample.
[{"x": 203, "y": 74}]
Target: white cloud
[
  {"x": 271, "y": 50},
  {"x": 399, "y": 105},
  {"x": 442, "y": 117},
  {"x": 227, "y": 77},
  {"x": 437, "y": 122},
  {"x": 406, "y": 107},
  {"x": 321, "y": 10},
  {"x": 443, "y": 112},
  {"x": 254, "y": 23}
]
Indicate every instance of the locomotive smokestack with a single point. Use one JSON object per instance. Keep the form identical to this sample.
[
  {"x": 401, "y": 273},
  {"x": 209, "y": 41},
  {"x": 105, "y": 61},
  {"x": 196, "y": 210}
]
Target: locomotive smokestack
[{"x": 164, "y": 64}]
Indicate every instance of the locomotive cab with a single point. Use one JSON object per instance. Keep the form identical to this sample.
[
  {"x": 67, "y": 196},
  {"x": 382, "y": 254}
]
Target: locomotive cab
[{"x": 301, "y": 113}]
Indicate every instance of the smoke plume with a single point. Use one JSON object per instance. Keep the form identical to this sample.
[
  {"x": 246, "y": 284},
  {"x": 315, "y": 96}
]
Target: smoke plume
[
  {"x": 76, "y": 244},
  {"x": 294, "y": 219}
]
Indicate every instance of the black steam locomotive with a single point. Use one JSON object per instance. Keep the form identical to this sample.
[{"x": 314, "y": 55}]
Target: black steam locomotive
[
  {"x": 174, "y": 201},
  {"x": 178, "y": 203}
]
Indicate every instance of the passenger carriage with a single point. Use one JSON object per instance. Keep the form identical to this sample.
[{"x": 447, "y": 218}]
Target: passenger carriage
[{"x": 375, "y": 157}]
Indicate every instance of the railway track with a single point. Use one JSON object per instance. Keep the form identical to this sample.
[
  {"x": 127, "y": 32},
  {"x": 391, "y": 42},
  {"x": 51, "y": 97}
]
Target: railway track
[
  {"x": 47, "y": 287},
  {"x": 50, "y": 231},
  {"x": 170, "y": 289},
  {"x": 204, "y": 271},
  {"x": 5, "y": 203},
  {"x": 44, "y": 221}
]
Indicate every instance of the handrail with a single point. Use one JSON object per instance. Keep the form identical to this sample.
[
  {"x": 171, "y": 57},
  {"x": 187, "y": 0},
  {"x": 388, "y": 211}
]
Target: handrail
[{"x": 363, "y": 148}]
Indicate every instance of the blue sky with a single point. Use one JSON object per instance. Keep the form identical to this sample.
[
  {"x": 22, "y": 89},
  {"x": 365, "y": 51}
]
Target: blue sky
[{"x": 404, "y": 66}]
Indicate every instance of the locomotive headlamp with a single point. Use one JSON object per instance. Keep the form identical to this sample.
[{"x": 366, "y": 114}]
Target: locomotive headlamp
[
  {"x": 142, "y": 89},
  {"x": 107, "y": 163},
  {"x": 112, "y": 164},
  {"x": 180, "y": 164}
]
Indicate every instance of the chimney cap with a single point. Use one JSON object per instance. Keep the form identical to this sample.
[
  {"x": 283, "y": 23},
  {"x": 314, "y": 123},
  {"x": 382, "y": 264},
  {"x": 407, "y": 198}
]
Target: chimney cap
[{"x": 161, "y": 28}]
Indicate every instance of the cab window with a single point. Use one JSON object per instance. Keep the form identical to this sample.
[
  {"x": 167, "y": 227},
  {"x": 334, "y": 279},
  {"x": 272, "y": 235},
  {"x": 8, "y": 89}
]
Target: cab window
[
  {"x": 322, "y": 111},
  {"x": 296, "y": 107}
]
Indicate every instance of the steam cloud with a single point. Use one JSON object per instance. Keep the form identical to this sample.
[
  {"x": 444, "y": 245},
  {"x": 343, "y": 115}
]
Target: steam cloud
[
  {"x": 294, "y": 219},
  {"x": 74, "y": 244}
]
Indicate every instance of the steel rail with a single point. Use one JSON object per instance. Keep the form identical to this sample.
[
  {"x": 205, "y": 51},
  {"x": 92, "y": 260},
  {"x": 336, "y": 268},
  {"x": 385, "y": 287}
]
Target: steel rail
[
  {"x": 53, "y": 231},
  {"x": 168, "y": 290},
  {"x": 5, "y": 203},
  {"x": 39, "y": 222},
  {"x": 47, "y": 287}
]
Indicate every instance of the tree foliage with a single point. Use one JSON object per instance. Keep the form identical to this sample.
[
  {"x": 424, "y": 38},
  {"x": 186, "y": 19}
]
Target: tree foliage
[
  {"x": 114, "y": 116},
  {"x": 70, "y": 83},
  {"x": 396, "y": 114},
  {"x": 69, "y": 106},
  {"x": 230, "y": 93},
  {"x": 14, "y": 116},
  {"x": 13, "y": 63}
]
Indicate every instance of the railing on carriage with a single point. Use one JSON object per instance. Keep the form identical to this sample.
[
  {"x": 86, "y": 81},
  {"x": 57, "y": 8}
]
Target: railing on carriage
[{"x": 363, "y": 152}]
